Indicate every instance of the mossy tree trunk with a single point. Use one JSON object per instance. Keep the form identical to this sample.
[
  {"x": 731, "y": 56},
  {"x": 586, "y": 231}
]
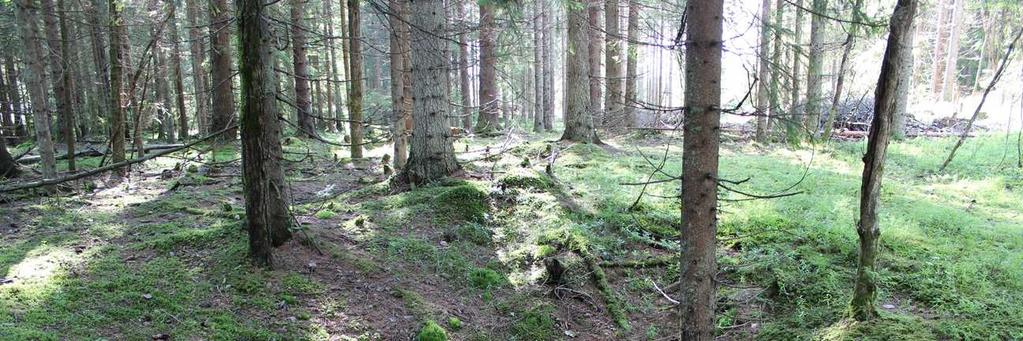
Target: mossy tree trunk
[
  {"x": 266, "y": 210},
  {"x": 888, "y": 85}
]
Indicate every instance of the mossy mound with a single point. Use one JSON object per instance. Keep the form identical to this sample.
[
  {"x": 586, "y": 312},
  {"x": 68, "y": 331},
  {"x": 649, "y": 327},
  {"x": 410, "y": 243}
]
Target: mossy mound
[
  {"x": 463, "y": 202},
  {"x": 527, "y": 179}
]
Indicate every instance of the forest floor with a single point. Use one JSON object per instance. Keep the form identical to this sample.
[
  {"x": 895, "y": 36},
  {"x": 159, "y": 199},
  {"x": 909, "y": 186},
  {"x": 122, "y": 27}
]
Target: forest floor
[{"x": 162, "y": 255}]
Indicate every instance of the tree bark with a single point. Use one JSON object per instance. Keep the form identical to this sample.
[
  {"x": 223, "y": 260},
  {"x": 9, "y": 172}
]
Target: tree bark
[
  {"x": 6, "y": 110},
  {"x": 432, "y": 155},
  {"x": 950, "y": 90},
  {"x": 464, "y": 85},
  {"x": 815, "y": 71},
  {"x": 95, "y": 11},
  {"x": 777, "y": 112},
  {"x": 60, "y": 74},
  {"x": 940, "y": 51},
  {"x": 548, "y": 72},
  {"x": 355, "y": 100},
  {"x": 888, "y": 84},
  {"x": 266, "y": 200},
  {"x": 538, "y": 69},
  {"x": 200, "y": 81},
  {"x": 300, "y": 67},
  {"x": 701, "y": 132},
  {"x": 14, "y": 96},
  {"x": 596, "y": 43},
  {"x": 26, "y": 12},
  {"x": 764, "y": 72},
  {"x": 175, "y": 65},
  {"x": 613, "y": 67},
  {"x": 796, "y": 110},
  {"x": 487, "y": 122},
  {"x": 8, "y": 168},
  {"x": 578, "y": 118},
  {"x": 902, "y": 96},
  {"x": 631, "y": 63},
  {"x": 345, "y": 61},
  {"x": 400, "y": 87},
  {"x": 220, "y": 61}
]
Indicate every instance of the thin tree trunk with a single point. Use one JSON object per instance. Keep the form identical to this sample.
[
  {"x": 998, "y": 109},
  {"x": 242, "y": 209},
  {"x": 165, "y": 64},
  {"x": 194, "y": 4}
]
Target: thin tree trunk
[
  {"x": 578, "y": 119},
  {"x": 631, "y": 63},
  {"x": 355, "y": 101},
  {"x": 888, "y": 84},
  {"x": 345, "y": 60},
  {"x": 763, "y": 107},
  {"x": 199, "y": 74},
  {"x": 698, "y": 265},
  {"x": 266, "y": 200},
  {"x": 432, "y": 155},
  {"x": 596, "y": 43},
  {"x": 843, "y": 65},
  {"x": 300, "y": 67},
  {"x": 538, "y": 106},
  {"x": 95, "y": 11},
  {"x": 815, "y": 71},
  {"x": 6, "y": 110},
  {"x": 950, "y": 90},
  {"x": 175, "y": 65},
  {"x": 902, "y": 95},
  {"x": 548, "y": 72},
  {"x": 220, "y": 61},
  {"x": 400, "y": 81},
  {"x": 796, "y": 110},
  {"x": 940, "y": 51},
  {"x": 60, "y": 75},
  {"x": 14, "y": 95},
  {"x": 776, "y": 60},
  {"x": 613, "y": 67},
  {"x": 487, "y": 122},
  {"x": 328, "y": 65},
  {"x": 465, "y": 87},
  {"x": 26, "y": 12}
]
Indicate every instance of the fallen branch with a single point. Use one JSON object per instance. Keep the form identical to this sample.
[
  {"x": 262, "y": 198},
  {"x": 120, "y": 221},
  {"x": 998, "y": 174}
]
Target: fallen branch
[
  {"x": 76, "y": 176},
  {"x": 641, "y": 263},
  {"x": 994, "y": 80}
]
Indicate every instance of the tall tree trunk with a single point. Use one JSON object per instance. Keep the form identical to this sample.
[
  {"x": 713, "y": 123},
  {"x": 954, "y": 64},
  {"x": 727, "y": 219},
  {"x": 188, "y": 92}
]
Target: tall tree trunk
[
  {"x": 596, "y": 43},
  {"x": 538, "y": 70},
  {"x": 464, "y": 85},
  {"x": 796, "y": 109},
  {"x": 548, "y": 72},
  {"x": 345, "y": 61},
  {"x": 613, "y": 67},
  {"x": 400, "y": 112},
  {"x": 220, "y": 61},
  {"x": 432, "y": 155},
  {"x": 698, "y": 265},
  {"x": 300, "y": 67},
  {"x": 164, "y": 108},
  {"x": 266, "y": 200},
  {"x": 815, "y": 70},
  {"x": 200, "y": 81},
  {"x": 95, "y": 11},
  {"x": 840, "y": 82},
  {"x": 940, "y": 51},
  {"x": 60, "y": 75},
  {"x": 26, "y": 12},
  {"x": 6, "y": 110},
  {"x": 355, "y": 101},
  {"x": 578, "y": 118},
  {"x": 888, "y": 84},
  {"x": 175, "y": 65},
  {"x": 13, "y": 95},
  {"x": 335, "y": 73},
  {"x": 488, "y": 122},
  {"x": 776, "y": 59},
  {"x": 630, "y": 63},
  {"x": 764, "y": 72},
  {"x": 951, "y": 78}
]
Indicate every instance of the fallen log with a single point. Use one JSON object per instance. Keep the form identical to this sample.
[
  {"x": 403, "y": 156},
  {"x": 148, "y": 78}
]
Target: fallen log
[
  {"x": 94, "y": 152},
  {"x": 91, "y": 172}
]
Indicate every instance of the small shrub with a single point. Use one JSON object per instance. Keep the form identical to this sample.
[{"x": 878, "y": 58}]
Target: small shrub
[
  {"x": 454, "y": 323},
  {"x": 325, "y": 214},
  {"x": 432, "y": 332}
]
